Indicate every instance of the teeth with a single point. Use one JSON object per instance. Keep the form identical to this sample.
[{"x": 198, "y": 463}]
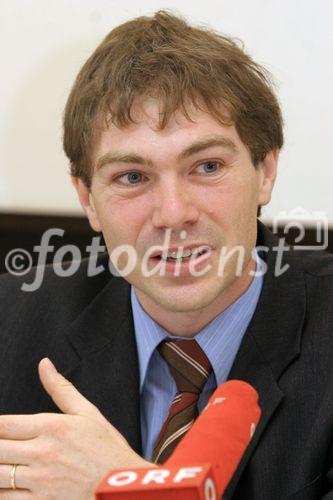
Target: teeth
[
  {"x": 187, "y": 253},
  {"x": 177, "y": 255}
]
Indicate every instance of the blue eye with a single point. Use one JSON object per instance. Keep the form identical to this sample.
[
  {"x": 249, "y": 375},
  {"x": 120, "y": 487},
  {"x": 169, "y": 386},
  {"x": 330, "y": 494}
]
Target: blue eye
[
  {"x": 132, "y": 177},
  {"x": 210, "y": 166}
]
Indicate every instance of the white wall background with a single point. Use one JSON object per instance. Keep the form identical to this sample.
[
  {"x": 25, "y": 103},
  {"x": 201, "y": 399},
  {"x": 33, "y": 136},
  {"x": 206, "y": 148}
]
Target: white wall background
[{"x": 44, "y": 43}]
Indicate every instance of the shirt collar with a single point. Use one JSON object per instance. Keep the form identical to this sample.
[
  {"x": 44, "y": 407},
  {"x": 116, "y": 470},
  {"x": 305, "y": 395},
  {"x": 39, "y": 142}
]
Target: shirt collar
[{"x": 221, "y": 336}]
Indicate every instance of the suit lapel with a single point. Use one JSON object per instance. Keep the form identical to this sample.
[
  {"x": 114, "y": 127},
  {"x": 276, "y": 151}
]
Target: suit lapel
[
  {"x": 272, "y": 339},
  {"x": 106, "y": 372}
]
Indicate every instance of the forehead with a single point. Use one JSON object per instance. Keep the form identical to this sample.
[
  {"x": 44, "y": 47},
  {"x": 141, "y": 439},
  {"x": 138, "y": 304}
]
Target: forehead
[{"x": 145, "y": 134}]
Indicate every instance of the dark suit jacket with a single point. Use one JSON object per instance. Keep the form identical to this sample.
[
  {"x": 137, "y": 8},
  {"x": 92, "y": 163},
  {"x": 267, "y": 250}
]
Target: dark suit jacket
[{"x": 85, "y": 326}]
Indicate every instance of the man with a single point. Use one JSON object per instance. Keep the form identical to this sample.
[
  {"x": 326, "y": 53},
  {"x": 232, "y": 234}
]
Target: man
[{"x": 172, "y": 132}]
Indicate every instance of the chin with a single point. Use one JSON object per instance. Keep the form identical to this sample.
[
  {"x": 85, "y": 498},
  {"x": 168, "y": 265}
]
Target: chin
[{"x": 186, "y": 299}]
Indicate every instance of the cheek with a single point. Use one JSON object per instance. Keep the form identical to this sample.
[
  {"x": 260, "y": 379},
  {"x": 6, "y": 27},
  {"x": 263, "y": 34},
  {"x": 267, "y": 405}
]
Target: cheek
[
  {"x": 241, "y": 195},
  {"x": 224, "y": 203},
  {"x": 123, "y": 220},
  {"x": 233, "y": 208}
]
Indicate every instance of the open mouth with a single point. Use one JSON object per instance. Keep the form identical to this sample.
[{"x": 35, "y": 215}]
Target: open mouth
[{"x": 184, "y": 256}]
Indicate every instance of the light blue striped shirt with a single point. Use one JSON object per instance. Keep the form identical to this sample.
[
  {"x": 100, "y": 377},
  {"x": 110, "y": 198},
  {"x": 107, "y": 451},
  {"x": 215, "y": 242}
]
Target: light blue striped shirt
[{"x": 220, "y": 340}]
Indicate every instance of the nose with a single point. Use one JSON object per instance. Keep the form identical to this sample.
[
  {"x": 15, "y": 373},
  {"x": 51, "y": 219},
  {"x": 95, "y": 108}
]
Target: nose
[{"x": 175, "y": 206}]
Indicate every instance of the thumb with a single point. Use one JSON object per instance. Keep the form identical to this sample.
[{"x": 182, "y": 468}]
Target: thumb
[{"x": 68, "y": 399}]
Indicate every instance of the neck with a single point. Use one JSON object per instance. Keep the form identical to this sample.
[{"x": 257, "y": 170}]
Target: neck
[{"x": 189, "y": 323}]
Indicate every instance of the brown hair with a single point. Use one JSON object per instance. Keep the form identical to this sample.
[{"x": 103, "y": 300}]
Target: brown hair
[{"x": 164, "y": 57}]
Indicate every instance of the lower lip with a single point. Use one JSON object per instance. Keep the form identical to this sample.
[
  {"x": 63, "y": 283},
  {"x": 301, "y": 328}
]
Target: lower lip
[{"x": 182, "y": 268}]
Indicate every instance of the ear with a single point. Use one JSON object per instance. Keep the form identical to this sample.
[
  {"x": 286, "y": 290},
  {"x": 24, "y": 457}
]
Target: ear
[
  {"x": 267, "y": 170},
  {"x": 87, "y": 202}
]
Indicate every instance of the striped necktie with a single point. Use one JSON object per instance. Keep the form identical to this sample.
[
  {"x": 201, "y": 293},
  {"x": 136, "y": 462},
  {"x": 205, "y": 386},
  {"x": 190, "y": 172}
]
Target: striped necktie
[{"x": 190, "y": 369}]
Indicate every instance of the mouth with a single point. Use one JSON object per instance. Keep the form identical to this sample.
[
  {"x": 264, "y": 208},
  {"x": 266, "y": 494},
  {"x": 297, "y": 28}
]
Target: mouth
[{"x": 182, "y": 254}]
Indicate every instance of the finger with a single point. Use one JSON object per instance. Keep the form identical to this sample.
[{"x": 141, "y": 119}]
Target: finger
[
  {"x": 16, "y": 495},
  {"x": 15, "y": 452},
  {"x": 63, "y": 392},
  {"x": 20, "y": 426},
  {"x": 22, "y": 479}
]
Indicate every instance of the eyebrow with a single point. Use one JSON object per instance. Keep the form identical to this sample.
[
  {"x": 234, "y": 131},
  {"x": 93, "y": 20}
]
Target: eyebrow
[{"x": 195, "y": 147}]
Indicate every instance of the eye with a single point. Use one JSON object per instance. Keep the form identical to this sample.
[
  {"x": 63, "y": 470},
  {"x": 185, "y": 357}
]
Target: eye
[
  {"x": 210, "y": 167},
  {"x": 131, "y": 177}
]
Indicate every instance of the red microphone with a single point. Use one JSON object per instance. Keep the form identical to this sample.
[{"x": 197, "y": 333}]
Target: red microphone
[
  {"x": 221, "y": 433},
  {"x": 206, "y": 458}
]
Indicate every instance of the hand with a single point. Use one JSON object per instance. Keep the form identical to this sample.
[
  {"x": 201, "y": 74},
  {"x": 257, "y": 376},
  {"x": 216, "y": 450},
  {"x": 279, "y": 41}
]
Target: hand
[{"x": 60, "y": 456}]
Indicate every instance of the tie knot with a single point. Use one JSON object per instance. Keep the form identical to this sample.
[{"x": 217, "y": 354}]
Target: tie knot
[{"x": 187, "y": 362}]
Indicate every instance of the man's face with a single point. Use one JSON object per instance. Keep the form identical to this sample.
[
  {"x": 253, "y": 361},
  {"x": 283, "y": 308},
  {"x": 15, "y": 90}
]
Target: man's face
[{"x": 195, "y": 179}]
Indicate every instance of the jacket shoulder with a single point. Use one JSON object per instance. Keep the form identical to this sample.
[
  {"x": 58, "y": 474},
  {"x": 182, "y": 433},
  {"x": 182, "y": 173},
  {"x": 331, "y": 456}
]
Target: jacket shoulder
[
  {"x": 43, "y": 299},
  {"x": 317, "y": 263},
  {"x": 51, "y": 278}
]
